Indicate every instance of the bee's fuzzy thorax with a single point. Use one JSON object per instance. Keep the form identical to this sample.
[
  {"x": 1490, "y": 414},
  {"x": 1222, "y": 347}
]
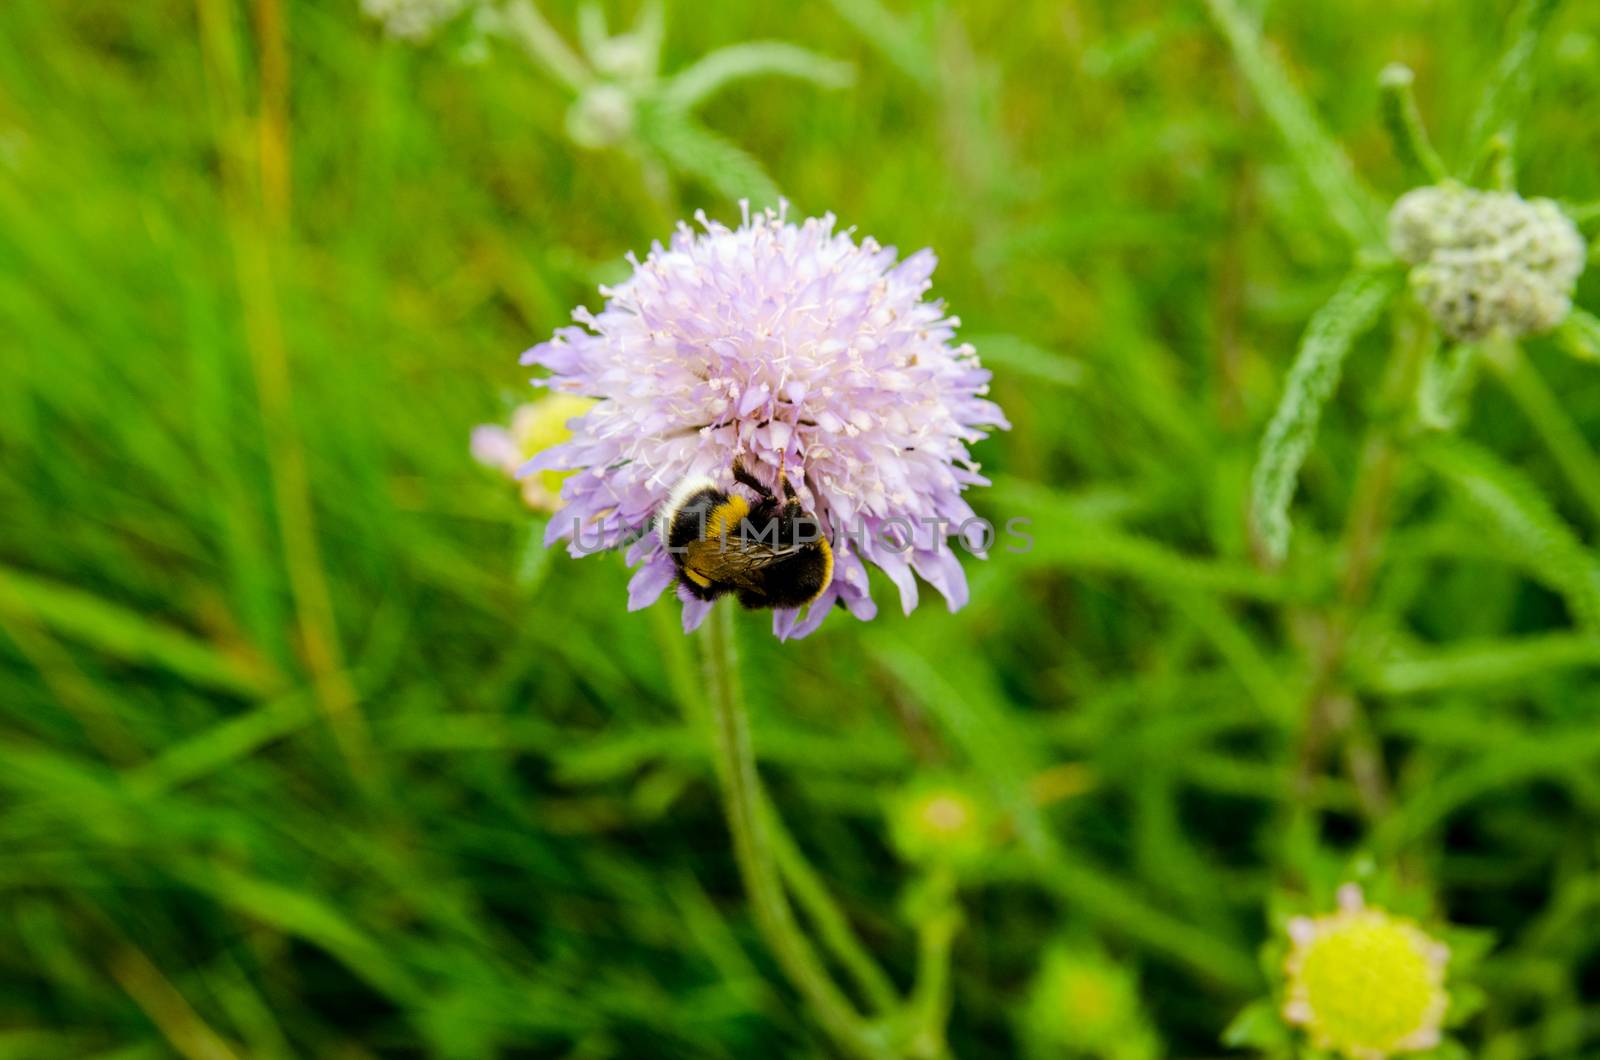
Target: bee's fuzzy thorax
[{"x": 674, "y": 504}]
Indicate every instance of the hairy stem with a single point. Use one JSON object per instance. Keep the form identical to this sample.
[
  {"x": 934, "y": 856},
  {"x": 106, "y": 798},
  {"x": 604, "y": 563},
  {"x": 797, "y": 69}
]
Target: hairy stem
[
  {"x": 1334, "y": 715},
  {"x": 753, "y": 849},
  {"x": 1404, "y": 122},
  {"x": 929, "y": 1006}
]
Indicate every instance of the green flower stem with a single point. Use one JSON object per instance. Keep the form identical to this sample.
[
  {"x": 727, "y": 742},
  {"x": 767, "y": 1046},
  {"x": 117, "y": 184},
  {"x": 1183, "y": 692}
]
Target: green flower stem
[
  {"x": 831, "y": 925},
  {"x": 810, "y": 893},
  {"x": 1404, "y": 122},
  {"x": 928, "y": 1009},
  {"x": 1550, "y": 421},
  {"x": 741, "y": 788},
  {"x": 545, "y": 46},
  {"x": 1333, "y": 715}
]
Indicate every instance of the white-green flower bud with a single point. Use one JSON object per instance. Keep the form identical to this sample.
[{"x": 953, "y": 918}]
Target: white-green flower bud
[
  {"x": 601, "y": 117},
  {"x": 1487, "y": 261},
  {"x": 413, "y": 20},
  {"x": 626, "y": 57}
]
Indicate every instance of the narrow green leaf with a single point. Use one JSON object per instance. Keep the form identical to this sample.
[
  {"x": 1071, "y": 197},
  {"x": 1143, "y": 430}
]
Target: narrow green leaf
[
  {"x": 1553, "y": 753},
  {"x": 125, "y": 634},
  {"x": 693, "y": 150},
  {"x": 1321, "y": 160},
  {"x": 1530, "y": 533},
  {"x": 1507, "y": 90},
  {"x": 702, "y": 79},
  {"x": 224, "y": 743},
  {"x": 1019, "y": 356},
  {"x": 544, "y": 45},
  {"x": 1312, "y": 380},
  {"x": 1547, "y": 414},
  {"x": 1479, "y": 663},
  {"x": 978, "y": 722},
  {"x": 896, "y": 39},
  {"x": 1061, "y": 536},
  {"x": 1579, "y": 335},
  {"x": 1446, "y": 387}
]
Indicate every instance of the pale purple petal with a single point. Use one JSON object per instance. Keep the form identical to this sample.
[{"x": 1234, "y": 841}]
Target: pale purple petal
[
  {"x": 695, "y": 612},
  {"x": 649, "y": 582},
  {"x": 815, "y": 613},
  {"x": 494, "y": 447},
  {"x": 783, "y": 621},
  {"x": 942, "y": 570}
]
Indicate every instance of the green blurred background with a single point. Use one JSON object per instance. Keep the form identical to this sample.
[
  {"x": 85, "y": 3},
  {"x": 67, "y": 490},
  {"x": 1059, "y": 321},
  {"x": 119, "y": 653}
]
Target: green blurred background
[{"x": 307, "y": 749}]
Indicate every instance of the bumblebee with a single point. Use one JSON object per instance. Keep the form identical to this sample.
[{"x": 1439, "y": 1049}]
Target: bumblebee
[{"x": 771, "y": 554}]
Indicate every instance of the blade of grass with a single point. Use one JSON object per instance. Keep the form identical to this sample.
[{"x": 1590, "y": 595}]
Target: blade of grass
[
  {"x": 1514, "y": 510},
  {"x": 126, "y": 635},
  {"x": 1506, "y": 92},
  {"x": 1321, "y": 161},
  {"x": 1480, "y": 664},
  {"x": 982, "y": 728},
  {"x": 1549, "y": 418}
]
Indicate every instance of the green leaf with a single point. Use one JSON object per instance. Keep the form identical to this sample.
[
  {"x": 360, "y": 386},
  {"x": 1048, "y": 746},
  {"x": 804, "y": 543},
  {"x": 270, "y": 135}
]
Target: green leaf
[
  {"x": 896, "y": 38},
  {"x": 1312, "y": 380},
  {"x": 696, "y": 83},
  {"x": 1322, "y": 162},
  {"x": 1062, "y": 535},
  {"x": 1507, "y": 90},
  {"x": 1531, "y": 534},
  {"x": 544, "y": 45},
  {"x": 127, "y": 635},
  {"x": 1445, "y": 392},
  {"x": 1257, "y": 1026},
  {"x": 1476, "y": 664},
  {"x": 1579, "y": 335},
  {"x": 695, "y": 151},
  {"x": 1018, "y": 355}
]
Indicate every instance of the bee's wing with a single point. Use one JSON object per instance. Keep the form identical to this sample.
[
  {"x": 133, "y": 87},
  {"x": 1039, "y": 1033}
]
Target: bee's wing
[{"x": 734, "y": 560}]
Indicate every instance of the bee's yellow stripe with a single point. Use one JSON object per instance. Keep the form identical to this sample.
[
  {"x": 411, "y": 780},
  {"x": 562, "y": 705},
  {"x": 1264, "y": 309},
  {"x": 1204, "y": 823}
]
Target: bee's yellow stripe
[
  {"x": 827, "y": 559},
  {"x": 696, "y": 577},
  {"x": 726, "y": 517}
]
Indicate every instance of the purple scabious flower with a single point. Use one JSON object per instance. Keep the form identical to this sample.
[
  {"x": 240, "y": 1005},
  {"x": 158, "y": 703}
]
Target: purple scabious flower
[{"x": 789, "y": 346}]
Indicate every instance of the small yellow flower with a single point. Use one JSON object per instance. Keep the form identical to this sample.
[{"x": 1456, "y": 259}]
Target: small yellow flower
[
  {"x": 1363, "y": 983},
  {"x": 940, "y": 821},
  {"x": 535, "y": 427}
]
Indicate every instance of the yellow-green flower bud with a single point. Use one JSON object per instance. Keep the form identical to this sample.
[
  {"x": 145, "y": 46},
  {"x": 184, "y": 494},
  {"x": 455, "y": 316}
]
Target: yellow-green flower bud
[
  {"x": 941, "y": 822},
  {"x": 1087, "y": 1004}
]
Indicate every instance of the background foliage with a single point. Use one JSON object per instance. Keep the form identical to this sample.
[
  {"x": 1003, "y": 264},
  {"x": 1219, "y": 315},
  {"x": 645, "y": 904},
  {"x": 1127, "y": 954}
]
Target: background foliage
[{"x": 305, "y": 749}]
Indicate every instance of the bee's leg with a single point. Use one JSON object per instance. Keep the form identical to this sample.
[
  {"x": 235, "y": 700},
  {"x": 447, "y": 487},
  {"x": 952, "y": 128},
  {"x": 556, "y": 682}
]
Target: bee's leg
[
  {"x": 783, "y": 475},
  {"x": 742, "y": 475}
]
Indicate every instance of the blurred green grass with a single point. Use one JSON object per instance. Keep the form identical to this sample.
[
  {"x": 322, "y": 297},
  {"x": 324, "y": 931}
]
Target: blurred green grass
[{"x": 295, "y": 764}]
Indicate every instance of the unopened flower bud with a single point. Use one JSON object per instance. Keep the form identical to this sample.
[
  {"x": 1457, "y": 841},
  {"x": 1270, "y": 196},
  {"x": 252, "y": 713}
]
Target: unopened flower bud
[
  {"x": 1487, "y": 261},
  {"x": 601, "y": 117},
  {"x": 941, "y": 822}
]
